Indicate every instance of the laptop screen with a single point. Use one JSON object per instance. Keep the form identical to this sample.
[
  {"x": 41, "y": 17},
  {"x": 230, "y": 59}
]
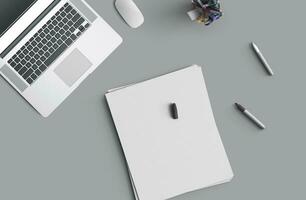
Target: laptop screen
[{"x": 11, "y": 10}]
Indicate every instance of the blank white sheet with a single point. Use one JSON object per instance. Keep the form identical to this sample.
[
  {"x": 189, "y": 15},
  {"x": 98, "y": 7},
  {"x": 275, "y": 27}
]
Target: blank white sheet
[{"x": 168, "y": 157}]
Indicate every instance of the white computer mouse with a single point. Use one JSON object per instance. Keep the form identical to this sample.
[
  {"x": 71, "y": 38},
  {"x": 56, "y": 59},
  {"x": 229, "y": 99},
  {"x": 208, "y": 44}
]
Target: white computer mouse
[{"x": 130, "y": 12}]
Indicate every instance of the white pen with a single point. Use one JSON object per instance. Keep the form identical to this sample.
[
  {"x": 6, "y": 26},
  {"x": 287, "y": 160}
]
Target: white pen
[
  {"x": 250, "y": 116},
  {"x": 262, "y": 59}
]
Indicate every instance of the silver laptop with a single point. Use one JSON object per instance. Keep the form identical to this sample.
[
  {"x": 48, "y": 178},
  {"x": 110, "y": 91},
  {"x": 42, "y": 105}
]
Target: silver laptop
[{"x": 48, "y": 47}]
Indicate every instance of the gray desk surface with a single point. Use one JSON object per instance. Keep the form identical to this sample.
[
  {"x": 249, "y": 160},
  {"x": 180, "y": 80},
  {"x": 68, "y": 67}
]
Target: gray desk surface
[{"x": 75, "y": 154}]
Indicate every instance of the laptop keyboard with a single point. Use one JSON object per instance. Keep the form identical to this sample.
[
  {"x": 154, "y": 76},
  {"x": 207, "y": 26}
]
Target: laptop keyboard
[{"x": 64, "y": 28}]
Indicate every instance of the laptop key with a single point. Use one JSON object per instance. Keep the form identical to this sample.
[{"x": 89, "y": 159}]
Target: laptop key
[
  {"x": 59, "y": 42},
  {"x": 63, "y": 14},
  {"x": 69, "y": 16},
  {"x": 72, "y": 29},
  {"x": 42, "y": 35},
  {"x": 41, "y": 52},
  {"x": 57, "y": 35},
  {"x": 38, "y": 63},
  {"x": 68, "y": 33},
  {"x": 56, "y": 54},
  {"x": 45, "y": 48},
  {"x": 66, "y": 27},
  {"x": 25, "y": 51},
  {"x": 30, "y": 47},
  {"x": 68, "y": 9},
  {"x": 22, "y": 71},
  {"x": 56, "y": 28},
  {"x": 49, "y": 44},
  {"x": 34, "y": 76},
  {"x": 47, "y": 54},
  {"x": 55, "y": 22},
  {"x": 62, "y": 31},
  {"x": 34, "y": 67},
  {"x": 18, "y": 67},
  {"x": 59, "y": 18},
  {"x": 46, "y": 31},
  {"x": 68, "y": 42},
  {"x": 13, "y": 64},
  {"x": 32, "y": 60},
  {"x": 65, "y": 20},
  {"x": 34, "y": 43},
  {"x": 37, "y": 72},
  {"x": 36, "y": 49},
  {"x": 76, "y": 17},
  {"x": 27, "y": 74},
  {"x": 40, "y": 45},
  {"x": 44, "y": 41},
  {"x": 28, "y": 65},
  {"x": 48, "y": 37},
  {"x": 50, "y": 26},
  {"x": 51, "y": 50},
  {"x": 73, "y": 37},
  {"x": 38, "y": 39},
  {"x": 73, "y": 12},
  {"x": 21, "y": 55},
  {"x": 64, "y": 38},
  {"x": 61, "y": 24},
  {"x": 27, "y": 58},
  {"x": 70, "y": 23},
  {"x": 42, "y": 68},
  {"x": 82, "y": 28},
  {"x": 79, "y": 23},
  {"x": 30, "y": 81},
  {"x": 55, "y": 46},
  {"x": 53, "y": 40},
  {"x": 23, "y": 62}
]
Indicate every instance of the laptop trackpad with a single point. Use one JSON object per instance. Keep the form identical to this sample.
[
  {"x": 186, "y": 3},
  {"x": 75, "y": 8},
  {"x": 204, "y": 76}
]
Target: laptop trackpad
[{"x": 73, "y": 67}]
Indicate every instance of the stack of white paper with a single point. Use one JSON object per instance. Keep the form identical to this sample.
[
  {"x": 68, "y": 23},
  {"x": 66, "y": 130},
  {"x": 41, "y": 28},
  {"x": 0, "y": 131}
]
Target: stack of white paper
[{"x": 168, "y": 157}]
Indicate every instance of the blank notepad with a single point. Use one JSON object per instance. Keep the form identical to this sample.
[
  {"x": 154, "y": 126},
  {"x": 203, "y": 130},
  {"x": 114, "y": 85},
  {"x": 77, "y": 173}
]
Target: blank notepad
[{"x": 168, "y": 157}]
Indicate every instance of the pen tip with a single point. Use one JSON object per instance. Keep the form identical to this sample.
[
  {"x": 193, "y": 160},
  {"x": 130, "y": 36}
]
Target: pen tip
[{"x": 240, "y": 107}]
